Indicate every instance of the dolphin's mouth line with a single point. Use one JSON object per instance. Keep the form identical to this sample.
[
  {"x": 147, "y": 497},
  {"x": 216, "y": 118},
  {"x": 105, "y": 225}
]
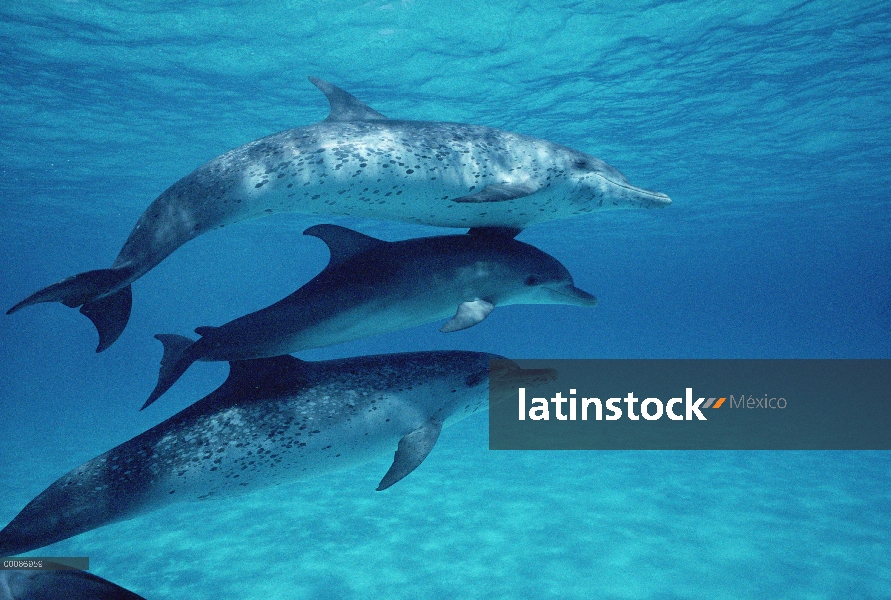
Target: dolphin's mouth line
[
  {"x": 631, "y": 188},
  {"x": 576, "y": 296}
]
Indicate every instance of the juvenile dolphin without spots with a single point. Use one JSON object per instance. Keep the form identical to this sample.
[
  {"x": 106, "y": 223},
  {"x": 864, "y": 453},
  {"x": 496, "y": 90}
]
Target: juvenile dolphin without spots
[
  {"x": 59, "y": 585},
  {"x": 371, "y": 287},
  {"x": 358, "y": 163},
  {"x": 273, "y": 420}
]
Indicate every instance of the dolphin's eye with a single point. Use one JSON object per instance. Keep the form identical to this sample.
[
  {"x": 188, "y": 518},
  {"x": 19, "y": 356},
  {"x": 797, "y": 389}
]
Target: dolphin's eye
[
  {"x": 532, "y": 280},
  {"x": 581, "y": 164}
]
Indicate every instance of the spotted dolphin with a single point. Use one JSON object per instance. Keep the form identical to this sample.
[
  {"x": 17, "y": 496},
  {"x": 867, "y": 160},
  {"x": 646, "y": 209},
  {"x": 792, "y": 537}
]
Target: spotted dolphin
[
  {"x": 371, "y": 287},
  {"x": 358, "y": 163},
  {"x": 58, "y": 585},
  {"x": 273, "y": 420}
]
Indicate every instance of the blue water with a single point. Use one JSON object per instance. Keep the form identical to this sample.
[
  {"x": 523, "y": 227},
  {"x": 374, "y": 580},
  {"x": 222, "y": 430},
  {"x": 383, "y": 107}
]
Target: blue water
[{"x": 769, "y": 127}]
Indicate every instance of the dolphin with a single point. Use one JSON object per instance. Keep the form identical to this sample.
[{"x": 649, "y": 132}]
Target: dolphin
[
  {"x": 273, "y": 420},
  {"x": 371, "y": 287},
  {"x": 358, "y": 163},
  {"x": 55, "y": 585}
]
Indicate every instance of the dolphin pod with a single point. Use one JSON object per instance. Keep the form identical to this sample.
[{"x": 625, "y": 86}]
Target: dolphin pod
[
  {"x": 359, "y": 163},
  {"x": 371, "y": 287},
  {"x": 59, "y": 585},
  {"x": 277, "y": 418},
  {"x": 273, "y": 420}
]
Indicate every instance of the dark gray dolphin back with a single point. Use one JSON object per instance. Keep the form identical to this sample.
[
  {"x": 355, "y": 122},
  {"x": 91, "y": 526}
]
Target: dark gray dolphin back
[
  {"x": 372, "y": 286},
  {"x": 273, "y": 420},
  {"x": 60, "y": 585}
]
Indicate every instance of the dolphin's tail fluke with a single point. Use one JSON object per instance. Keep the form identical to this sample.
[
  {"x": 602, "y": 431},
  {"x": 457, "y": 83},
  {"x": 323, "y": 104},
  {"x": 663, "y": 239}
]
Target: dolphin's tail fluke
[
  {"x": 179, "y": 354},
  {"x": 108, "y": 312}
]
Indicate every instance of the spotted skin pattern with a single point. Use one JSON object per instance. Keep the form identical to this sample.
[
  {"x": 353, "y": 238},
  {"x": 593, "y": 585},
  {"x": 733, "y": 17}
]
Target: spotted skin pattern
[
  {"x": 410, "y": 171},
  {"x": 272, "y": 421},
  {"x": 357, "y": 163}
]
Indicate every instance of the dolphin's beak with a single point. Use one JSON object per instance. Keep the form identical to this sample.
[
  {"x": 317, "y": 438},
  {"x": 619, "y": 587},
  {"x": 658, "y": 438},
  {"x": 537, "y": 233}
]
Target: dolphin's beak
[
  {"x": 510, "y": 375},
  {"x": 635, "y": 196},
  {"x": 569, "y": 294},
  {"x": 525, "y": 376}
]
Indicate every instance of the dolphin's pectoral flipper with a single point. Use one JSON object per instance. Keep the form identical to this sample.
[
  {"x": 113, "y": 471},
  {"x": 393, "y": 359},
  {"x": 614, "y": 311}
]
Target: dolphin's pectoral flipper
[
  {"x": 412, "y": 451},
  {"x": 179, "y": 354},
  {"x": 499, "y": 193},
  {"x": 345, "y": 106},
  {"x": 109, "y": 313},
  {"x": 343, "y": 243},
  {"x": 468, "y": 315}
]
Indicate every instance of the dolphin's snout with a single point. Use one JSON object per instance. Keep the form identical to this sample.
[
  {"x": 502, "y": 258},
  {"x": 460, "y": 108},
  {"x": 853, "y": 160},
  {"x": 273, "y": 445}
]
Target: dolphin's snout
[
  {"x": 510, "y": 376},
  {"x": 569, "y": 294},
  {"x": 645, "y": 198},
  {"x": 525, "y": 377},
  {"x": 636, "y": 195},
  {"x": 660, "y": 199}
]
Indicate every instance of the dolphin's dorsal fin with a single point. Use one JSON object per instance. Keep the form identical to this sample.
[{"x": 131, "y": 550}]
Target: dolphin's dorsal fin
[
  {"x": 345, "y": 106},
  {"x": 204, "y": 330},
  {"x": 266, "y": 377},
  {"x": 343, "y": 243},
  {"x": 411, "y": 452}
]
